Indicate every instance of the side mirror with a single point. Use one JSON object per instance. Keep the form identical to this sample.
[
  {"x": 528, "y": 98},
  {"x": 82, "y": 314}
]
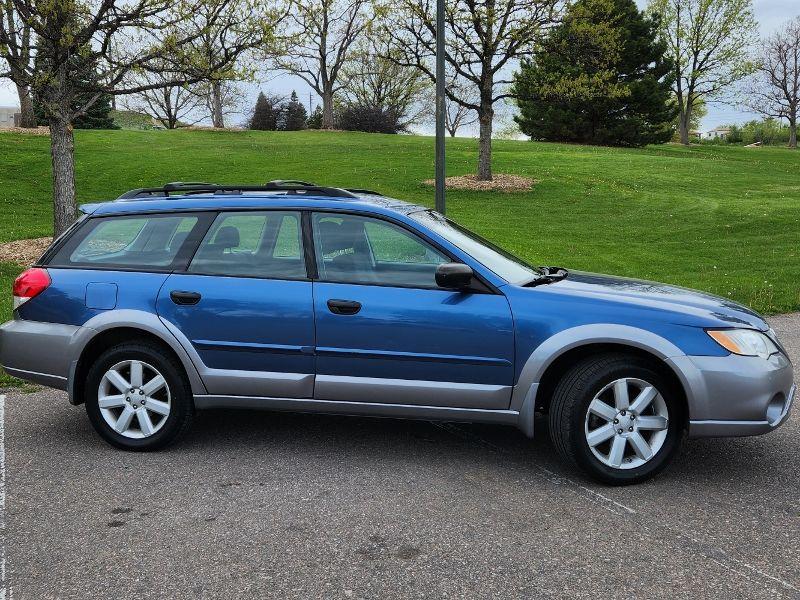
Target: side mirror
[{"x": 454, "y": 276}]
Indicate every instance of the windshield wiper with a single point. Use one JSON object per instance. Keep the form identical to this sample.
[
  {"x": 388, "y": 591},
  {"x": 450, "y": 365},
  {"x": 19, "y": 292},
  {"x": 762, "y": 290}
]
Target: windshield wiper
[{"x": 549, "y": 275}]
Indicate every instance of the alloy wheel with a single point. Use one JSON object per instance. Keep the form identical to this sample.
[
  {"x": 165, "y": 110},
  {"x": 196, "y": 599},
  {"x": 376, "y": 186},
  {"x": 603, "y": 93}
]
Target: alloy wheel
[
  {"x": 626, "y": 423},
  {"x": 134, "y": 399}
]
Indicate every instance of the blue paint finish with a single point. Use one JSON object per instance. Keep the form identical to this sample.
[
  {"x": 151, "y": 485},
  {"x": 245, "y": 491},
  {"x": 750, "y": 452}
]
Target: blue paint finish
[
  {"x": 259, "y": 325},
  {"x": 65, "y": 301},
  {"x": 245, "y": 324},
  {"x": 101, "y": 296},
  {"x": 676, "y": 314},
  {"x": 403, "y": 333}
]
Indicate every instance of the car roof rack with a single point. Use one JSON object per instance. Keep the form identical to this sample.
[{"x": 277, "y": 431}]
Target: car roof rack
[{"x": 288, "y": 186}]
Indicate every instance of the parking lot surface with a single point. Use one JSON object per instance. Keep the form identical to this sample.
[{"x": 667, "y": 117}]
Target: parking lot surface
[{"x": 253, "y": 504}]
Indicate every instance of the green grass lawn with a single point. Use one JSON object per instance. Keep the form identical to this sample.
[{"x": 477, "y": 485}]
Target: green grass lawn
[{"x": 722, "y": 219}]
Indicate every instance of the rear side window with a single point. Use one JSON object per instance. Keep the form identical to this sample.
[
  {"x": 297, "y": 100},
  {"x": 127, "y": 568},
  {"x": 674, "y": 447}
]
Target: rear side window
[
  {"x": 136, "y": 242},
  {"x": 263, "y": 244}
]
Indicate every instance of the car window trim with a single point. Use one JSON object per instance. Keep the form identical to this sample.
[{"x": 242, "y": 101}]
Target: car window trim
[{"x": 484, "y": 287}]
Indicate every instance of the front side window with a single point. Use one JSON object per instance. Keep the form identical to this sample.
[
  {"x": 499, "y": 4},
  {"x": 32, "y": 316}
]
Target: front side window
[
  {"x": 252, "y": 244},
  {"x": 137, "y": 242},
  {"x": 504, "y": 264},
  {"x": 356, "y": 249}
]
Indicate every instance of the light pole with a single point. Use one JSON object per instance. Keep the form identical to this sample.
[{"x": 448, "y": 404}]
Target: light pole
[{"x": 440, "y": 107}]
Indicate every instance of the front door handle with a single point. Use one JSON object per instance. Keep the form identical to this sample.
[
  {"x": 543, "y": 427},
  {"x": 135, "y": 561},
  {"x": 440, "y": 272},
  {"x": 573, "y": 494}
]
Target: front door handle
[
  {"x": 344, "y": 307},
  {"x": 185, "y": 298}
]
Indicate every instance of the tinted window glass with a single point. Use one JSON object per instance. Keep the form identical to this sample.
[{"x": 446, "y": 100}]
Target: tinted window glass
[
  {"x": 130, "y": 242},
  {"x": 363, "y": 250},
  {"x": 252, "y": 244}
]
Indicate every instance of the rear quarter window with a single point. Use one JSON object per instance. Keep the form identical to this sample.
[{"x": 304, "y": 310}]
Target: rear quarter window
[{"x": 144, "y": 242}]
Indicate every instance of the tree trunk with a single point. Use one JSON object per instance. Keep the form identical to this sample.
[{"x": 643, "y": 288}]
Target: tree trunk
[
  {"x": 28, "y": 116},
  {"x": 216, "y": 105},
  {"x": 485, "y": 119},
  {"x": 61, "y": 150},
  {"x": 683, "y": 125},
  {"x": 327, "y": 110},
  {"x": 793, "y": 132}
]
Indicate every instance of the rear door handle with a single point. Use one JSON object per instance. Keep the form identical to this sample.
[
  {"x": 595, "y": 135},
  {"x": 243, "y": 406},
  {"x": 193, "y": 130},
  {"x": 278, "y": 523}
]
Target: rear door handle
[
  {"x": 344, "y": 307},
  {"x": 185, "y": 298}
]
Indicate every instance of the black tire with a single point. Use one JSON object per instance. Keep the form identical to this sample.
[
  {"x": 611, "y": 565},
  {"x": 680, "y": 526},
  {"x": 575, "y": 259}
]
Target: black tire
[
  {"x": 181, "y": 410},
  {"x": 570, "y": 404}
]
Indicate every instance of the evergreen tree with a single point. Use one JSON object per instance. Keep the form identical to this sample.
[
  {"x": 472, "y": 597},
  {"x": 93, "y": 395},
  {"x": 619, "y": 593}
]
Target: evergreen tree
[
  {"x": 600, "y": 77},
  {"x": 86, "y": 83},
  {"x": 294, "y": 115},
  {"x": 266, "y": 113},
  {"x": 314, "y": 120}
]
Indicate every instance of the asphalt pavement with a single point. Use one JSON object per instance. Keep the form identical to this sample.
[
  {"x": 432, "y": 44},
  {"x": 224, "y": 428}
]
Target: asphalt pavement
[{"x": 272, "y": 505}]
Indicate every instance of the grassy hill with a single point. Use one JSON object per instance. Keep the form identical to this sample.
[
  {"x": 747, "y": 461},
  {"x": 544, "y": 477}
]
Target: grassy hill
[
  {"x": 129, "y": 119},
  {"x": 722, "y": 219}
]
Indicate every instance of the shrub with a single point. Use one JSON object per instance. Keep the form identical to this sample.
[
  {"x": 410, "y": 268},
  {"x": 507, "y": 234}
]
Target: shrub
[{"x": 371, "y": 119}]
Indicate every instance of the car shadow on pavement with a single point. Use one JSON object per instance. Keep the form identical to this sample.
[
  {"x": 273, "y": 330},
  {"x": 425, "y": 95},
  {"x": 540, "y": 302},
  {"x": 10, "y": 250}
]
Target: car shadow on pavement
[
  {"x": 705, "y": 461},
  {"x": 382, "y": 443}
]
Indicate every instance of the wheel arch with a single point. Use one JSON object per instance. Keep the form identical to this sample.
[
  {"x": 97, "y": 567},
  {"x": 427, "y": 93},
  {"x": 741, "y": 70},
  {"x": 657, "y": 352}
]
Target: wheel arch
[
  {"x": 551, "y": 359},
  {"x": 109, "y": 329}
]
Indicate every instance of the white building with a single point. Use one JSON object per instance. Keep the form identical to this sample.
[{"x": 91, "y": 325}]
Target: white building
[
  {"x": 7, "y": 116},
  {"x": 719, "y": 133}
]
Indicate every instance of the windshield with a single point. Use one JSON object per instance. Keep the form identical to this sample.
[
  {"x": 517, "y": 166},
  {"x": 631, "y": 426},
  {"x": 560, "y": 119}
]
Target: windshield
[{"x": 500, "y": 262}]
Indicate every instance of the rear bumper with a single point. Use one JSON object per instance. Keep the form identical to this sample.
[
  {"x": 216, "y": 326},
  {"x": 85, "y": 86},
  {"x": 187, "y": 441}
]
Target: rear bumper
[
  {"x": 737, "y": 395},
  {"x": 38, "y": 352}
]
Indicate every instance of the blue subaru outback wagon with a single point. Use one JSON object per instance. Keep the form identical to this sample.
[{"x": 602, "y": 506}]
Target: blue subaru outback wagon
[{"x": 291, "y": 296}]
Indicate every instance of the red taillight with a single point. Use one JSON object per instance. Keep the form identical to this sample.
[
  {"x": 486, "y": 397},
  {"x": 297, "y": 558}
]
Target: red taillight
[{"x": 30, "y": 284}]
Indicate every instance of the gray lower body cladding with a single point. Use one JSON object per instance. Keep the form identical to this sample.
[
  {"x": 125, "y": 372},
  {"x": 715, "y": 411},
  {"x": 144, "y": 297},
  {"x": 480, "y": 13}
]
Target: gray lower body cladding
[
  {"x": 736, "y": 395},
  {"x": 38, "y": 352},
  {"x": 727, "y": 396}
]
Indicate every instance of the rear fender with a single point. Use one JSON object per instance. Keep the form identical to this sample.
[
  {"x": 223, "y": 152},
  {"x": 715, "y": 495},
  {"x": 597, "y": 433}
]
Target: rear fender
[{"x": 133, "y": 319}]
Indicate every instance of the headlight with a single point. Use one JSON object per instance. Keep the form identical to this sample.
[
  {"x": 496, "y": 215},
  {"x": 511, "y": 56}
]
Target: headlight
[{"x": 746, "y": 342}]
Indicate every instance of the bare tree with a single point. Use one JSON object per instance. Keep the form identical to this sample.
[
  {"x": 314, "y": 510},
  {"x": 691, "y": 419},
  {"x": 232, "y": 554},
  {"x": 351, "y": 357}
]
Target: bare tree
[
  {"x": 481, "y": 39},
  {"x": 71, "y": 34},
  {"x": 456, "y": 114},
  {"x": 222, "y": 99},
  {"x": 170, "y": 104},
  {"x": 225, "y": 40},
  {"x": 372, "y": 80},
  {"x": 709, "y": 42},
  {"x": 16, "y": 47},
  {"x": 318, "y": 44},
  {"x": 775, "y": 89}
]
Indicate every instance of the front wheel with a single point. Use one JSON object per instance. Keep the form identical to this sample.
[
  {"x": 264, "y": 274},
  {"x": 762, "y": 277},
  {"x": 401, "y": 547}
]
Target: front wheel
[
  {"x": 138, "y": 397},
  {"x": 617, "y": 418}
]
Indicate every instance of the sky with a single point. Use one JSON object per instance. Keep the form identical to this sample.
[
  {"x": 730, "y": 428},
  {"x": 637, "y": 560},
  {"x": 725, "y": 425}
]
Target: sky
[{"x": 771, "y": 15}]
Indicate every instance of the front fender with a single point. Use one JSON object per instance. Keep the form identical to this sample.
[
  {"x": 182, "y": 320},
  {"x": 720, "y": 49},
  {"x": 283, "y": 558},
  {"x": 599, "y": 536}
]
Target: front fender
[{"x": 523, "y": 398}]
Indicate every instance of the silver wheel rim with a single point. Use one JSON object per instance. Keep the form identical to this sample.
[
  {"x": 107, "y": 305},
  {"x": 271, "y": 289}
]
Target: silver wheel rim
[
  {"x": 626, "y": 423},
  {"x": 134, "y": 399}
]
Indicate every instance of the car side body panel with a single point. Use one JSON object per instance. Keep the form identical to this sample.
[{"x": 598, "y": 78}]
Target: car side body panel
[
  {"x": 249, "y": 336},
  {"x": 485, "y": 367},
  {"x": 414, "y": 346}
]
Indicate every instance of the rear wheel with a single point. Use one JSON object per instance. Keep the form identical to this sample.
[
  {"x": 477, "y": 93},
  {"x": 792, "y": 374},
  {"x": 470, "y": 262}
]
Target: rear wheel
[
  {"x": 617, "y": 418},
  {"x": 138, "y": 397}
]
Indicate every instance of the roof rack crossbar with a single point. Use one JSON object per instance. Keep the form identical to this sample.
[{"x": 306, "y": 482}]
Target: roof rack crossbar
[
  {"x": 288, "y": 186},
  {"x": 363, "y": 191}
]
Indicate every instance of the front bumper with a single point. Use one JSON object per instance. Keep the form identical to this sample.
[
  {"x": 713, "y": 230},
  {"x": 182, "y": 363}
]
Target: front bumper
[
  {"x": 38, "y": 352},
  {"x": 736, "y": 395}
]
